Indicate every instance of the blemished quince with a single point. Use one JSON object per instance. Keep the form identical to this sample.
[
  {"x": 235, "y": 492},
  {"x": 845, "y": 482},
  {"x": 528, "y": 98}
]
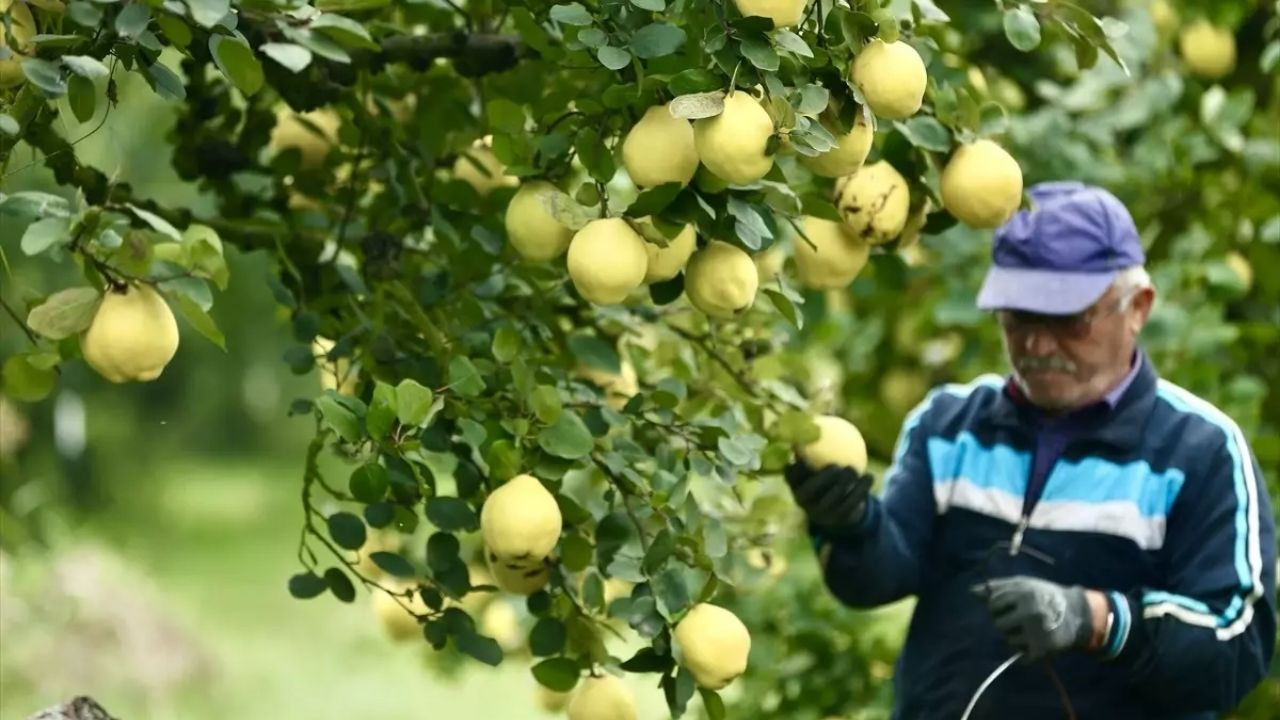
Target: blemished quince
[
  {"x": 839, "y": 443},
  {"x": 734, "y": 144},
  {"x": 982, "y": 185},
  {"x": 520, "y": 579},
  {"x": 833, "y": 259},
  {"x": 848, "y": 155},
  {"x": 1209, "y": 51},
  {"x": 667, "y": 262},
  {"x": 481, "y": 169},
  {"x": 660, "y": 149},
  {"x": 534, "y": 233},
  {"x": 892, "y": 78},
  {"x": 874, "y": 202},
  {"x": 607, "y": 260},
  {"x": 721, "y": 280},
  {"x": 520, "y": 522},
  {"x": 133, "y": 335},
  {"x": 399, "y": 623},
  {"x": 714, "y": 645},
  {"x": 22, "y": 27},
  {"x": 602, "y": 697},
  {"x": 783, "y": 13},
  {"x": 290, "y": 132}
]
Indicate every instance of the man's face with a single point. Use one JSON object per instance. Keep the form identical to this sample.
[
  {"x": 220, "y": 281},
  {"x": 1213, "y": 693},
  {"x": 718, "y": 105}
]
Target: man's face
[{"x": 1063, "y": 362}]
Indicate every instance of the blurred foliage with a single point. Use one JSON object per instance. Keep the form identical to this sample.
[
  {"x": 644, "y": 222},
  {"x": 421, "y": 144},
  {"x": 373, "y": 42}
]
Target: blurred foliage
[{"x": 459, "y": 365}]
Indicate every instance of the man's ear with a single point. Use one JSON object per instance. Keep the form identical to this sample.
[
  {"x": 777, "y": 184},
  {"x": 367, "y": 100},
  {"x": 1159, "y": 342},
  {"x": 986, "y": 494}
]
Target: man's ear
[{"x": 1140, "y": 309}]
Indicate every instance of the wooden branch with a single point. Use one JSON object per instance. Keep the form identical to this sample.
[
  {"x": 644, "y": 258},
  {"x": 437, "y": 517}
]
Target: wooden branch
[
  {"x": 81, "y": 708},
  {"x": 473, "y": 54}
]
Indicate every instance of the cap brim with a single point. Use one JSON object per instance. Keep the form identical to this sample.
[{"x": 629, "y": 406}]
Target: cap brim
[{"x": 1048, "y": 292}]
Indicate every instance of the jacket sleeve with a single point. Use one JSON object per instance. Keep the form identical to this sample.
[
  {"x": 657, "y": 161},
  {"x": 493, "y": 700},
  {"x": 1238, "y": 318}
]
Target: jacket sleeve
[
  {"x": 1205, "y": 639},
  {"x": 880, "y": 561}
]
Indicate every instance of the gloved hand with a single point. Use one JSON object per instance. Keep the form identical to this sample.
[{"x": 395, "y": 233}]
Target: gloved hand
[
  {"x": 1036, "y": 616},
  {"x": 834, "y": 498}
]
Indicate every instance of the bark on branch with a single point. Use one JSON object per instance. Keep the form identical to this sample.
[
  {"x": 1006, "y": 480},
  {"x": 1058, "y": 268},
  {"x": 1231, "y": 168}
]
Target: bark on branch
[
  {"x": 81, "y": 708},
  {"x": 473, "y": 54}
]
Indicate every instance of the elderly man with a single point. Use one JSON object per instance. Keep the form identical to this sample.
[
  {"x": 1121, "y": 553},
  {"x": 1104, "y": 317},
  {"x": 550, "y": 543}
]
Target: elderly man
[{"x": 1107, "y": 528}]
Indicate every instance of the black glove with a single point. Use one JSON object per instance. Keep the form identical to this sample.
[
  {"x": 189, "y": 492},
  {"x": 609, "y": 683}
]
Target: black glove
[
  {"x": 834, "y": 498},
  {"x": 1036, "y": 616}
]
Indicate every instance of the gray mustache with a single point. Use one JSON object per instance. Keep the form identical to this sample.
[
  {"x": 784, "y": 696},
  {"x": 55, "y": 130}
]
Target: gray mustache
[{"x": 1048, "y": 362}]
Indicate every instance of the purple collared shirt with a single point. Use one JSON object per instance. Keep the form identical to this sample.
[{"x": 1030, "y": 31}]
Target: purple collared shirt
[{"x": 1053, "y": 432}]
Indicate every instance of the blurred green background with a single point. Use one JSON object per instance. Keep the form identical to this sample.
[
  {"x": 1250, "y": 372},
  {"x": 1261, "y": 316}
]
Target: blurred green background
[{"x": 148, "y": 529}]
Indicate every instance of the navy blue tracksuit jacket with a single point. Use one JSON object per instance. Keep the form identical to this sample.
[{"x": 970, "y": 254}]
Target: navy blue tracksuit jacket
[{"x": 1159, "y": 503}]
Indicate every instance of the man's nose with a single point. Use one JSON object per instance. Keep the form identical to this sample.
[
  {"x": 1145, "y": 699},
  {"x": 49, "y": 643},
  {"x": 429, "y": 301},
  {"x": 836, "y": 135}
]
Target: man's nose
[{"x": 1039, "y": 342}]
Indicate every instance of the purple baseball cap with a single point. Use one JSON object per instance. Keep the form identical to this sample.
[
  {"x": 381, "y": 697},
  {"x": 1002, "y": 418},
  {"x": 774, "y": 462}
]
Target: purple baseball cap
[{"x": 1060, "y": 256}]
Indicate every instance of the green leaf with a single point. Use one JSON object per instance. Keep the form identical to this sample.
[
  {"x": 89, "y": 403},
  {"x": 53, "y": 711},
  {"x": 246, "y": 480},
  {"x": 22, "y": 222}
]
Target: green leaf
[
  {"x": 750, "y": 227},
  {"x": 340, "y": 417},
  {"x": 156, "y": 222},
  {"x": 85, "y": 66},
  {"x": 175, "y": 29},
  {"x": 340, "y": 585},
  {"x": 464, "y": 378},
  {"x": 545, "y": 401},
  {"x": 813, "y": 100},
  {"x": 442, "y": 551},
  {"x": 347, "y": 530},
  {"x": 671, "y": 590},
  {"x": 318, "y": 43},
  {"x": 25, "y": 382},
  {"x": 571, "y": 14},
  {"x": 392, "y": 564},
  {"x": 65, "y": 313},
  {"x": 654, "y": 200},
  {"x": 344, "y": 30},
  {"x": 31, "y": 204},
  {"x": 656, "y": 40},
  {"x": 647, "y": 660},
  {"x": 291, "y": 56},
  {"x": 712, "y": 704},
  {"x": 208, "y": 12},
  {"x": 595, "y": 353},
  {"x": 760, "y": 53},
  {"x": 382, "y": 410},
  {"x": 133, "y": 19},
  {"x": 576, "y": 552},
  {"x": 559, "y": 673},
  {"x": 307, "y": 585},
  {"x": 369, "y": 483},
  {"x": 613, "y": 58},
  {"x": 195, "y": 289},
  {"x": 667, "y": 291},
  {"x": 567, "y": 437},
  {"x": 45, "y": 75},
  {"x": 926, "y": 132},
  {"x": 505, "y": 115},
  {"x": 663, "y": 545},
  {"x": 547, "y": 637},
  {"x": 452, "y": 514},
  {"x": 201, "y": 321},
  {"x": 654, "y": 5},
  {"x": 484, "y": 649},
  {"x": 788, "y": 40},
  {"x": 84, "y": 13},
  {"x": 8, "y": 125},
  {"x": 786, "y": 307},
  {"x": 692, "y": 81},
  {"x": 1022, "y": 28},
  {"x": 506, "y": 344},
  {"x": 413, "y": 402},
  {"x": 678, "y": 690},
  {"x": 236, "y": 61},
  {"x": 165, "y": 82}
]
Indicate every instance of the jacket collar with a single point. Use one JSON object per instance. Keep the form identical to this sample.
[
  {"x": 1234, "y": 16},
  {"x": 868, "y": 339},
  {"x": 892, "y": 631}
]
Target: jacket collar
[{"x": 1121, "y": 426}]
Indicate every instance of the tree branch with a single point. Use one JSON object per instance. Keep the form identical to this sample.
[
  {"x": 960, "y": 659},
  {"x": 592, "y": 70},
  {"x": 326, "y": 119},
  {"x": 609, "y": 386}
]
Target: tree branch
[{"x": 473, "y": 54}]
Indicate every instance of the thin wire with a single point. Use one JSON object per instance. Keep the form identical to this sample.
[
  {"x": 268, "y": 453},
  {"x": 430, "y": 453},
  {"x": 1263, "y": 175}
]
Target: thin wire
[{"x": 987, "y": 683}]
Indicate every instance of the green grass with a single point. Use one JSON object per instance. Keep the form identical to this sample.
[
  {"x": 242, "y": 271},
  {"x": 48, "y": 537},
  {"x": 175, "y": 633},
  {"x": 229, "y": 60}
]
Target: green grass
[{"x": 216, "y": 540}]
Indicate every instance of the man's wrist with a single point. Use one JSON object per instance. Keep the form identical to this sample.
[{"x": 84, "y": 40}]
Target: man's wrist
[{"x": 1100, "y": 617}]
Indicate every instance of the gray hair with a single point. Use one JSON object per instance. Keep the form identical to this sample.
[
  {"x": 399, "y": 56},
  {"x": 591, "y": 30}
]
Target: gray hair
[{"x": 1130, "y": 281}]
